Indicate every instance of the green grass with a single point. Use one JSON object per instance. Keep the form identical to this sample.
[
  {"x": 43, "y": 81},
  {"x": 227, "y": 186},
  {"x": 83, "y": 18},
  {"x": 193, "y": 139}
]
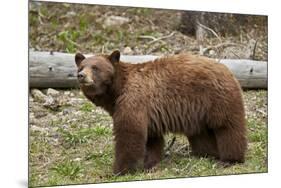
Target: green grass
[
  {"x": 82, "y": 135},
  {"x": 68, "y": 169},
  {"x": 74, "y": 138},
  {"x": 85, "y": 154},
  {"x": 257, "y": 131},
  {"x": 87, "y": 107},
  {"x": 69, "y": 38}
]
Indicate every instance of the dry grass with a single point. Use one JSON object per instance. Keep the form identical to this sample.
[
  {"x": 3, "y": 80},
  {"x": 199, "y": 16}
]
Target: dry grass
[
  {"x": 74, "y": 145},
  {"x": 74, "y": 27}
]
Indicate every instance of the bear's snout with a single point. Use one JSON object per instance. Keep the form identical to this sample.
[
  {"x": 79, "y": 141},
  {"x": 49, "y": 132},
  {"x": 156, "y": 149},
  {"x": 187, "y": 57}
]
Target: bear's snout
[
  {"x": 81, "y": 75},
  {"x": 84, "y": 79}
]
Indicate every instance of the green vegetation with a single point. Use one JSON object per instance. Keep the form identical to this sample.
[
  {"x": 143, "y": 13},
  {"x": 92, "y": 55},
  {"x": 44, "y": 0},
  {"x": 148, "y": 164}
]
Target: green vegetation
[
  {"x": 69, "y": 38},
  {"x": 87, "y": 107},
  {"x": 68, "y": 169},
  {"x": 84, "y": 154}
]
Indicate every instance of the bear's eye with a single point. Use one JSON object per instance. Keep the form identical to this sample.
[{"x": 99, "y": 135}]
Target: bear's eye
[
  {"x": 94, "y": 68},
  {"x": 80, "y": 69}
]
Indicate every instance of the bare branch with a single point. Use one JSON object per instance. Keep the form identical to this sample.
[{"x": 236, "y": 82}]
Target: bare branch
[
  {"x": 209, "y": 29},
  {"x": 155, "y": 39},
  {"x": 171, "y": 144},
  {"x": 254, "y": 50},
  {"x": 221, "y": 45},
  {"x": 164, "y": 37},
  {"x": 147, "y": 37}
]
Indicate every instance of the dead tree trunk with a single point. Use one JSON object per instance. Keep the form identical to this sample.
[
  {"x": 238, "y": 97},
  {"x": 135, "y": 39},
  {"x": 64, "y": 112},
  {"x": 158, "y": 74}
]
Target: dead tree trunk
[{"x": 58, "y": 70}]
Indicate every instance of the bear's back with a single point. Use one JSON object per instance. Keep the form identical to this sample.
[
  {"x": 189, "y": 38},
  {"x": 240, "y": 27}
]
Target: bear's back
[
  {"x": 180, "y": 74},
  {"x": 179, "y": 91}
]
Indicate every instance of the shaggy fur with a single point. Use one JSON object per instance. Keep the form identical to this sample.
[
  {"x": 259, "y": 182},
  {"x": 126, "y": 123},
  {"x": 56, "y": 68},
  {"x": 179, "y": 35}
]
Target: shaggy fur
[{"x": 185, "y": 94}]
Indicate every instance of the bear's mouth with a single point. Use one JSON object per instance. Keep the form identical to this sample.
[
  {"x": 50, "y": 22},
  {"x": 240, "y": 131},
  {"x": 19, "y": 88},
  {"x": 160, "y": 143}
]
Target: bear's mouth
[{"x": 87, "y": 83}]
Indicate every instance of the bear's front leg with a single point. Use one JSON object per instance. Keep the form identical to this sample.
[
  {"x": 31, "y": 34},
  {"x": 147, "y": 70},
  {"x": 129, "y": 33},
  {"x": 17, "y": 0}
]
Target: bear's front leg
[{"x": 130, "y": 132}]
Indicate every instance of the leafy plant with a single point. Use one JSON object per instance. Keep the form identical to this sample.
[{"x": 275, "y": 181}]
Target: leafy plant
[
  {"x": 68, "y": 169},
  {"x": 69, "y": 38},
  {"x": 101, "y": 131},
  {"x": 75, "y": 137},
  {"x": 87, "y": 107}
]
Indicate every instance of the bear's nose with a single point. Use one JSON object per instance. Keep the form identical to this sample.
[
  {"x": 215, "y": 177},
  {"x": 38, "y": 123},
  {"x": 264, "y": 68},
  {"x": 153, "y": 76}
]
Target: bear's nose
[{"x": 81, "y": 75}]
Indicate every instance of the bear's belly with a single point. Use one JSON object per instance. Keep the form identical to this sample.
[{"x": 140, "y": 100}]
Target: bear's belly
[{"x": 177, "y": 125}]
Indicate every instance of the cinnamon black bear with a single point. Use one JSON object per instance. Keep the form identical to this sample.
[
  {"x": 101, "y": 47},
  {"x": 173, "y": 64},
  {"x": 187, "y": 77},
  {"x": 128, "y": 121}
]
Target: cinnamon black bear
[{"x": 184, "y": 94}]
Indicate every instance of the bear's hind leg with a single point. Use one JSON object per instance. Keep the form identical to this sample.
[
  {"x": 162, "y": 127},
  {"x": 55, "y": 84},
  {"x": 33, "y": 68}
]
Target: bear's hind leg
[
  {"x": 232, "y": 144},
  {"x": 154, "y": 151},
  {"x": 204, "y": 144}
]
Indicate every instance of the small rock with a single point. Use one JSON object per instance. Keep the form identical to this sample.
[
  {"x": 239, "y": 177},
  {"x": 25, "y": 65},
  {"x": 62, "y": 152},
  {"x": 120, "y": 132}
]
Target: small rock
[
  {"x": 52, "y": 92},
  {"x": 67, "y": 92},
  {"x": 85, "y": 126},
  {"x": 71, "y": 95},
  {"x": 51, "y": 103},
  {"x": 38, "y": 95},
  {"x": 38, "y": 111},
  {"x": 31, "y": 115},
  {"x": 33, "y": 120},
  {"x": 127, "y": 50},
  {"x": 64, "y": 126},
  {"x": 115, "y": 21},
  {"x": 71, "y": 14},
  {"x": 55, "y": 135},
  {"x": 78, "y": 113},
  {"x": 40, "y": 114},
  {"x": 65, "y": 111},
  {"x": 60, "y": 113},
  {"x": 77, "y": 159},
  {"x": 212, "y": 52},
  {"x": 40, "y": 129},
  {"x": 98, "y": 110}
]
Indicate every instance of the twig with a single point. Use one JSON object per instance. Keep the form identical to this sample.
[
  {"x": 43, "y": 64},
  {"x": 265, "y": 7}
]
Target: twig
[
  {"x": 171, "y": 144},
  {"x": 262, "y": 112},
  {"x": 155, "y": 39},
  {"x": 221, "y": 45},
  {"x": 254, "y": 50},
  {"x": 209, "y": 29},
  {"x": 235, "y": 54},
  {"x": 72, "y": 42},
  {"x": 183, "y": 147},
  {"x": 147, "y": 37},
  {"x": 102, "y": 49},
  {"x": 164, "y": 37},
  {"x": 194, "y": 165}
]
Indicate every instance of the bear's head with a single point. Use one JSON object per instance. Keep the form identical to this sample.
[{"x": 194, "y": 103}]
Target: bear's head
[{"x": 95, "y": 74}]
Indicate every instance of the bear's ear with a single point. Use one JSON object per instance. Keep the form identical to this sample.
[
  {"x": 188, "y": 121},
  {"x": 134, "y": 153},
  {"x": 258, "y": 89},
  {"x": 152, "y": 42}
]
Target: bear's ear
[
  {"x": 79, "y": 58},
  {"x": 114, "y": 57}
]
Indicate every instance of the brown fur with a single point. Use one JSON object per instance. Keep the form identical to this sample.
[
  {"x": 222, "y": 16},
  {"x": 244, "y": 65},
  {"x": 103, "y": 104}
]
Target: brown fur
[{"x": 185, "y": 94}]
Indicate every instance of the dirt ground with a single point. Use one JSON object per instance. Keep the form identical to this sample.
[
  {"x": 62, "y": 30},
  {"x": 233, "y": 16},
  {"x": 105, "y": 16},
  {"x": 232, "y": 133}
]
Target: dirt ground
[
  {"x": 95, "y": 29},
  {"x": 70, "y": 139}
]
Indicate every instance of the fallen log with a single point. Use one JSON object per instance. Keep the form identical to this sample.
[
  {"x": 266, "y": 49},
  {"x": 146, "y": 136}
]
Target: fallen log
[{"x": 58, "y": 70}]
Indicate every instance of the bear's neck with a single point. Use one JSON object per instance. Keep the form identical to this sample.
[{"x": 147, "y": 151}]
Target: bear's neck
[{"x": 108, "y": 99}]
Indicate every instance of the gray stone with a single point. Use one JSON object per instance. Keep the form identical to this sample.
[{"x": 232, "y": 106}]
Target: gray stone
[
  {"x": 51, "y": 103},
  {"x": 115, "y": 21},
  {"x": 38, "y": 95},
  {"x": 40, "y": 129},
  {"x": 67, "y": 92},
  {"x": 52, "y": 92},
  {"x": 66, "y": 111},
  {"x": 127, "y": 51}
]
